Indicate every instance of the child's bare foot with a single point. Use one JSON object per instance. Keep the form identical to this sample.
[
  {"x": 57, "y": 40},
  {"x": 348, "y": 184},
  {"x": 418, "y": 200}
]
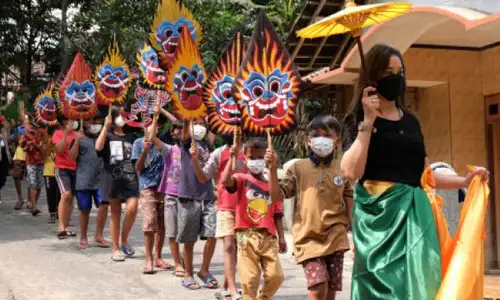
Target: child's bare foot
[
  {"x": 160, "y": 263},
  {"x": 84, "y": 244},
  {"x": 148, "y": 268}
]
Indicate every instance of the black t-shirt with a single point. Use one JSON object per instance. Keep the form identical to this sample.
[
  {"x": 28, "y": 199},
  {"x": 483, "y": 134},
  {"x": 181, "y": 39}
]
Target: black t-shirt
[
  {"x": 117, "y": 157},
  {"x": 397, "y": 151}
]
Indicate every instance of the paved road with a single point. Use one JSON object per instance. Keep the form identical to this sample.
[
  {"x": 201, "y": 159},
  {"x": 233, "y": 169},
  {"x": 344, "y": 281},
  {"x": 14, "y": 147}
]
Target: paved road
[{"x": 35, "y": 265}]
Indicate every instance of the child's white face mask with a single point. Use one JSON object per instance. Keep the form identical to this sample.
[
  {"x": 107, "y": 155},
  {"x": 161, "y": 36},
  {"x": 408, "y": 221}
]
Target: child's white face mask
[
  {"x": 322, "y": 146},
  {"x": 119, "y": 121},
  {"x": 256, "y": 166},
  {"x": 199, "y": 132}
]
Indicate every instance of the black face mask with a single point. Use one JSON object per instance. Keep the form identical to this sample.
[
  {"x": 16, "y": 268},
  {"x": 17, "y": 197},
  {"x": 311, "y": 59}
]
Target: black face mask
[{"x": 391, "y": 86}]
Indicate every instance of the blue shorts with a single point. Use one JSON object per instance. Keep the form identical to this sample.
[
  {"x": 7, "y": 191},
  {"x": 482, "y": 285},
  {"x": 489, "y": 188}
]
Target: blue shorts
[{"x": 84, "y": 198}]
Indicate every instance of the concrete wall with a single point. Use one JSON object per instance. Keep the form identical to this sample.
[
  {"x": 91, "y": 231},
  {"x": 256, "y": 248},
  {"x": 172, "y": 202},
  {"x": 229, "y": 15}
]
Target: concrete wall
[{"x": 490, "y": 6}]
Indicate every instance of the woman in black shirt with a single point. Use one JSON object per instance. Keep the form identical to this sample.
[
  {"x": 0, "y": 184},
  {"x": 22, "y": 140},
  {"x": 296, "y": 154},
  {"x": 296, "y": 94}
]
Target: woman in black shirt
[{"x": 397, "y": 247}]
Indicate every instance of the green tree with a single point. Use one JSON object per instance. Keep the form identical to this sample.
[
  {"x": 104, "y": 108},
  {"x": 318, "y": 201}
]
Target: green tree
[{"x": 28, "y": 35}]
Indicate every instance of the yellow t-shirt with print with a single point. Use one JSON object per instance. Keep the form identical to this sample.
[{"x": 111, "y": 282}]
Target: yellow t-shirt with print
[
  {"x": 49, "y": 167},
  {"x": 19, "y": 154}
]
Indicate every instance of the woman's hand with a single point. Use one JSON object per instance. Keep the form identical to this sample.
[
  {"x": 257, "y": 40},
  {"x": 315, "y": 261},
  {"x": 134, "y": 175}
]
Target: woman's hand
[
  {"x": 371, "y": 105},
  {"x": 483, "y": 172}
]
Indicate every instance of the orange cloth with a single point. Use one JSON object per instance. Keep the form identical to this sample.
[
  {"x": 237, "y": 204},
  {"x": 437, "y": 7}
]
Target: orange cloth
[{"x": 462, "y": 257}]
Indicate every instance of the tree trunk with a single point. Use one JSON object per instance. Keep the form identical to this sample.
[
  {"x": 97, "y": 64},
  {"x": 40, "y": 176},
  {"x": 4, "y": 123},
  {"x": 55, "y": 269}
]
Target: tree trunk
[{"x": 64, "y": 25}]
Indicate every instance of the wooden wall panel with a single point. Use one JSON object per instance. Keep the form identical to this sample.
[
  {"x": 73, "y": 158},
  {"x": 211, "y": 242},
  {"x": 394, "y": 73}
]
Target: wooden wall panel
[
  {"x": 490, "y": 65},
  {"x": 434, "y": 116},
  {"x": 464, "y": 118},
  {"x": 467, "y": 110}
]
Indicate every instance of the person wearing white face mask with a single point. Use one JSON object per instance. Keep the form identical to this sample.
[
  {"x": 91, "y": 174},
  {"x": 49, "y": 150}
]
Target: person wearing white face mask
[
  {"x": 196, "y": 211},
  {"x": 324, "y": 209},
  {"x": 88, "y": 181},
  {"x": 258, "y": 202},
  {"x": 119, "y": 181}
]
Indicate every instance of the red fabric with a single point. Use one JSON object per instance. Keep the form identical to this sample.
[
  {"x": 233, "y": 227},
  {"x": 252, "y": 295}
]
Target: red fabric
[
  {"x": 253, "y": 209},
  {"x": 31, "y": 144},
  {"x": 225, "y": 200},
  {"x": 62, "y": 159}
]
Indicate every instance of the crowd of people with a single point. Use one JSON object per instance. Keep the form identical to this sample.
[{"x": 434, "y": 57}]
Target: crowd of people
[{"x": 103, "y": 165}]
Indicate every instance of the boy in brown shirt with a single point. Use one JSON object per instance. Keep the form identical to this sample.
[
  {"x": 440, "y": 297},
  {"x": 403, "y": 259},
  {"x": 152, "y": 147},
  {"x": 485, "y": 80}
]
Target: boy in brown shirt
[{"x": 322, "y": 210}]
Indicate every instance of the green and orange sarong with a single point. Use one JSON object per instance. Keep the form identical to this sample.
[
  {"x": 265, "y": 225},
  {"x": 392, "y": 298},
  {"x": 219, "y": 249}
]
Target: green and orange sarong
[
  {"x": 397, "y": 246},
  {"x": 404, "y": 249}
]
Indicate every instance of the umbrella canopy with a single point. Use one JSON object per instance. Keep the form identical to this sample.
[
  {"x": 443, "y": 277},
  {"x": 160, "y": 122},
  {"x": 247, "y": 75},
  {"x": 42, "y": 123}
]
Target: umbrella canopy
[{"x": 353, "y": 18}]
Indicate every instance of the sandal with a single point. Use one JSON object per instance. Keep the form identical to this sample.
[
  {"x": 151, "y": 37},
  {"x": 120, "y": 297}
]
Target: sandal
[
  {"x": 190, "y": 284},
  {"x": 118, "y": 258},
  {"x": 64, "y": 234},
  {"x": 223, "y": 295},
  {"x": 19, "y": 205},
  {"x": 209, "y": 281},
  {"x": 179, "y": 273},
  {"x": 101, "y": 243},
  {"x": 36, "y": 212},
  {"x": 163, "y": 265},
  {"x": 128, "y": 251},
  {"x": 236, "y": 296}
]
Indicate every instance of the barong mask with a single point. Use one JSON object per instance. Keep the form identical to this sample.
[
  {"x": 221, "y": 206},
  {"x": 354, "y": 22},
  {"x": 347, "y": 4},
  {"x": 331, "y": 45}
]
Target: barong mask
[
  {"x": 46, "y": 107},
  {"x": 112, "y": 77},
  {"x": 223, "y": 111},
  {"x": 77, "y": 92},
  {"x": 268, "y": 84},
  {"x": 170, "y": 20},
  {"x": 185, "y": 80},
  {"x": 149, "y": 67}
]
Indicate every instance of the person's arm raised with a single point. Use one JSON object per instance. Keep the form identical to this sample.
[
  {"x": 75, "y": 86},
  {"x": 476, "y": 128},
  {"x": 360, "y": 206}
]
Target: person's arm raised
[
  {"x": 61, "y": 145},
  {"x": 271, "y": 159},
  {"x": 75, "y": 147},
  {"x": 354, "y": 160},
  {"x": 101, "y": 140}
]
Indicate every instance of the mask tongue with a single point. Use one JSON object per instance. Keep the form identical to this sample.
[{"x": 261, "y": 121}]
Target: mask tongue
[{"x": 390, "y": 87}]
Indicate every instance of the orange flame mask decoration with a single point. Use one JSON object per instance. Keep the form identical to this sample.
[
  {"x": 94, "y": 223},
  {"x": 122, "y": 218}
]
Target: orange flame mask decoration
[
  {"x": 149, "y": 67},
  {"x": 268, "y": 84},
  {"x": 223, "y": 111},
  {"x": 112, "y": 77},
  {"x": 166, "y": 31},
  {"x": 185, "y": 80},
  {"x": 46, "y": 107},
  {"x": 77, "y": 92}
]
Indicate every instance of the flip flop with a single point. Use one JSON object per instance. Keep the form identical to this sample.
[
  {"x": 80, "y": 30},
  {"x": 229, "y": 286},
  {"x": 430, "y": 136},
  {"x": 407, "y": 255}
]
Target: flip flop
[
  {"x": 179, "y": 274},
  {"x": 65, "y": 234},
  {"x": 222, "y": 295},
  {"x": 118, "y": 258},
  {"x": 19, "y": 205},
  {"x": 101, "y": 243},
  {"x": 164, "y": 265},
  {"x": 209, "y": 279},
  {"x": 128, "y": 251},
  {"x": 190, "y": 284}
]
